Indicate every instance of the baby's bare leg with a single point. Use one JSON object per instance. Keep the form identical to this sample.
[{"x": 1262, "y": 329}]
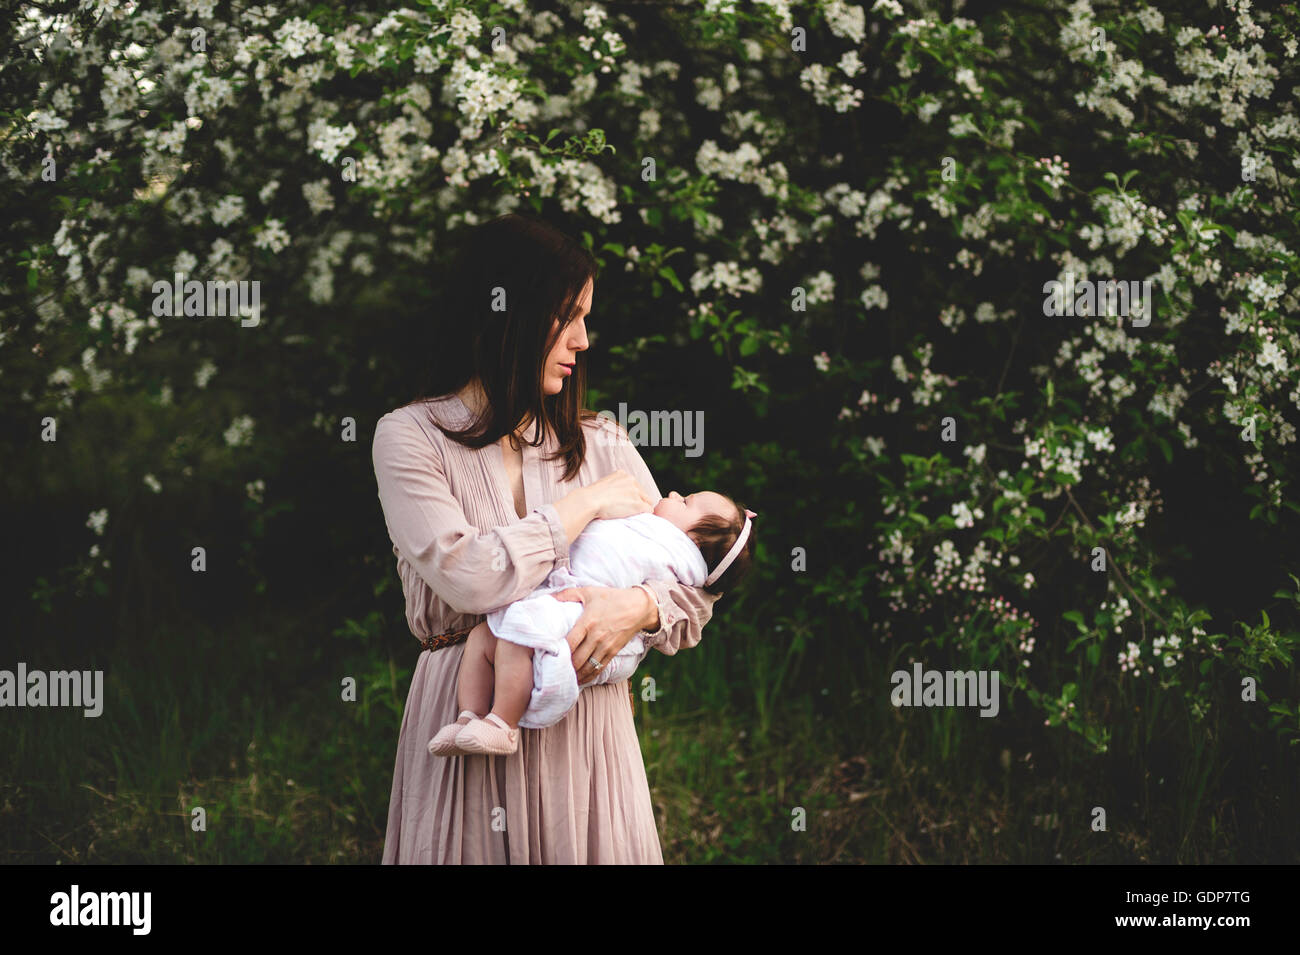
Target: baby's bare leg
[
  {"x": 514, "y": 683},
  {"x": 474, "y": 684}
]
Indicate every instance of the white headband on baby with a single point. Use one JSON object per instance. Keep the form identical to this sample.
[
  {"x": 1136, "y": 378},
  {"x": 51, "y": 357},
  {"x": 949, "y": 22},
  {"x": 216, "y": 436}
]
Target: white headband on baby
[{"x": 731, "y": 554}]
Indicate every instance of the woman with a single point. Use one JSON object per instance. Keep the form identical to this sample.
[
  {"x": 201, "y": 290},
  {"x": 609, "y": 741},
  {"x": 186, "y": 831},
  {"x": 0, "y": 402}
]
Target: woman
[{"x": 483, "y": 488}]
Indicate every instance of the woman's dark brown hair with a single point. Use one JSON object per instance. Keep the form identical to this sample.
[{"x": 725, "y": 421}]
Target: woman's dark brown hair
[
  {"x": 512, "y": 277},
  {"x": 714, "y": 535}
]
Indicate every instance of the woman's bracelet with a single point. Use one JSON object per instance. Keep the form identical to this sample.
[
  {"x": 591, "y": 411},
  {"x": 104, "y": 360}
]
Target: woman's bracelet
[{"x": 654, "y": 602}]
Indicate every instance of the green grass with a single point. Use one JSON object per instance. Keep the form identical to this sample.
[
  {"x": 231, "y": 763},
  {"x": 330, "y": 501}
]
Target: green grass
[{"x": 254, "y": 731}]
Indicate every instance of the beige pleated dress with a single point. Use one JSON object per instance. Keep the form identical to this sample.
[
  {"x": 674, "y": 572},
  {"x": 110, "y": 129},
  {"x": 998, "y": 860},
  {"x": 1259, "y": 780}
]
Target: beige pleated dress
[{"x": 575, "y": 792}]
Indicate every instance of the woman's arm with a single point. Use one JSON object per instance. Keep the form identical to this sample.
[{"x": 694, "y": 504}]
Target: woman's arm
[
  {"x": 611, "y": 616},
  {"x": 682, "y": 610},
  {"x": 472, "y": 571}
]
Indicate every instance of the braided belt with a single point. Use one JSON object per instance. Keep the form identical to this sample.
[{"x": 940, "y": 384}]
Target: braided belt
[{"x": 449, "y": 639}]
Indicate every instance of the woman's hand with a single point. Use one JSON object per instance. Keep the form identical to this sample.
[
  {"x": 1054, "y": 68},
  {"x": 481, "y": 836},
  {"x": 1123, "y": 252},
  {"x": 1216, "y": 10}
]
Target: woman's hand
[
  {"x": 611, "y": 616},
  {"x": 615, "y": 495},
  {"x": 618, "y": 495}
]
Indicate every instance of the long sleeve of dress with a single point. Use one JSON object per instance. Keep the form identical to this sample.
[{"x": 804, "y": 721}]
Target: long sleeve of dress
[
  {"x": 472, "y": 571},
  {"x": 683, "y": 610}
]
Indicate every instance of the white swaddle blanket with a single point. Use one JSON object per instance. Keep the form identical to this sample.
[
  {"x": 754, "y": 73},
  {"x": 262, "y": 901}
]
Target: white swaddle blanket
[{"x": 619, "y": 552}]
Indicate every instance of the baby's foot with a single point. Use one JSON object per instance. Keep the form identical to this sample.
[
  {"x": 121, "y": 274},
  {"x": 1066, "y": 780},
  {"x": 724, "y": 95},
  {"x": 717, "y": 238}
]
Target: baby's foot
[
  {"x": 444, "y": 742},
  {"x": 492, "y": 736}
]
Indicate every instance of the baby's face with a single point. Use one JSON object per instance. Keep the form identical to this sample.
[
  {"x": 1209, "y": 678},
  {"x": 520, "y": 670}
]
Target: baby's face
[{"x": 685, "y": 512}]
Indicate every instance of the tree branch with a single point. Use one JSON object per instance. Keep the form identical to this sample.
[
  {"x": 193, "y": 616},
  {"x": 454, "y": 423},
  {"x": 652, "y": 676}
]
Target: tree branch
[{"x": 1120, "y": 576}]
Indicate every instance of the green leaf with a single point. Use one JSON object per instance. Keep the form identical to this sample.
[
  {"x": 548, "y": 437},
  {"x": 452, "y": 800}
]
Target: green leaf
[{"x": 667, "y": 272}]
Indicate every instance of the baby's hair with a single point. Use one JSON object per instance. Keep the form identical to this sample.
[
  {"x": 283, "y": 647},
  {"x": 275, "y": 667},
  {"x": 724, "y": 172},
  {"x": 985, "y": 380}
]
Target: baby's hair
[{"x": 714, "y": 536}]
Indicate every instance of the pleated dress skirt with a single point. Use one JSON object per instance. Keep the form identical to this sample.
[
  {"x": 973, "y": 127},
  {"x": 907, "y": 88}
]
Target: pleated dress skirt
[{"x": 573, "y": 793}]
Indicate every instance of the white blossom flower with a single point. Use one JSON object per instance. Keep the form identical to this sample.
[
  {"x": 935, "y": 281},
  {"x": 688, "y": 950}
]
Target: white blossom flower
[
  {"x": 228, "y": 209},
  {"x": 727, "y": 277},
  {"x": 184, "y": 262},
  {"x": 821, "y": 288},
  {"x": 317, "y": 194},
  {"x": 964, "y": 515},
  {"x": 875, "y": 297},
  {"x": 966, "y": 77},
  {"x": 272, "y": 236},
  {"x": 465, "y": 26},
  {"x": 203, "y": 374},
  {"x": 240, "y": 431},
  {"x": 329, "y": 140},
  {"x": 846, "y": 21},
  {"x": 1152, "y": 20},
  {"x": 297, "y": 37}
]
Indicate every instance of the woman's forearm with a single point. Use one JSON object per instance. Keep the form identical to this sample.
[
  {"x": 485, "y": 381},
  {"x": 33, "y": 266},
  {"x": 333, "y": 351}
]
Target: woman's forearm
[
  {"x": 621, "y": 617},
  {"x": 576, "y": 511},
  {"x": 684, "y": 610},
  {"x": 649, "y": 623}
]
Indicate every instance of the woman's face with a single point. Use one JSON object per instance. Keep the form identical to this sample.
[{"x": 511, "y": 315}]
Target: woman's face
[{"x": 573, "y": 339}]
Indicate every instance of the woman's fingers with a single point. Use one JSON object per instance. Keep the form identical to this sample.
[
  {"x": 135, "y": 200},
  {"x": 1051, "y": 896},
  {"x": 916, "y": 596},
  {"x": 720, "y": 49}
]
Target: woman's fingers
[
  {"x": 592, "y": 647},
  {"x": 603, "y": 628},
  {"x": 582, "y": 655},
  {"x": 598, "y": 646},
  {"x": 625, "y": 497},
  {"x": 577, "y": 635},
  {"x": 641, "y": 492},
  {"x": 581, "y": 642}
]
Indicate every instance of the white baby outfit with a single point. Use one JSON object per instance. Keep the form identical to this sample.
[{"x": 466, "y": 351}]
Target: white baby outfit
[{"x": 619, "y": 552}]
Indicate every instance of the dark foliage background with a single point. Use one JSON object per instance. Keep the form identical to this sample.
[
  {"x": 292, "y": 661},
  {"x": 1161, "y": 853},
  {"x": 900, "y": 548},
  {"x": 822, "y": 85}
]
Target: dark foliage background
[{"x": 223, "y": 687}]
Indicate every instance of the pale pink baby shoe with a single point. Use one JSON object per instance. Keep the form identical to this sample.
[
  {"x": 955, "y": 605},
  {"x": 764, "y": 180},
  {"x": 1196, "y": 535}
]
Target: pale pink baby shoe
[
  {"x": 444, "y": 741},
  {"x": 491, "y": 736}
]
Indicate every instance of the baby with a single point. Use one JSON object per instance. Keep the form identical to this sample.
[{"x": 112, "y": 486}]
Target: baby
[{"x": 523, "y": 668}]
